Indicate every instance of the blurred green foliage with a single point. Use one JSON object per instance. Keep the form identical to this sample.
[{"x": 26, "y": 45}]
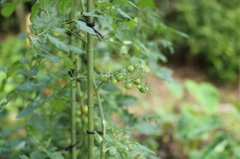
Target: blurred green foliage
[{"x": 213, "y": 32}]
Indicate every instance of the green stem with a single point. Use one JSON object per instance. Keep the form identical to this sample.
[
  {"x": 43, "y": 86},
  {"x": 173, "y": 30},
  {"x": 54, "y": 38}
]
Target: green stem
[
  {"x": 103, "y": 121},
  {"x": 90, "y": 84},
  {"x": 73, "y": 96}
]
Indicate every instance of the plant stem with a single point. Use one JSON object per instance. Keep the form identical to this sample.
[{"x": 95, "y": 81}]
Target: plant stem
[
  {"x": 103, "y": 121},
  {"x": 73, "y": 96},
  {"x": 90, "y": 86}
]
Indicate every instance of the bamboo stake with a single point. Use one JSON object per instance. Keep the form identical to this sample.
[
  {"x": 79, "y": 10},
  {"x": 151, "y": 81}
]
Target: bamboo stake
[
  {"x": 90, "y": 76},
  {"x": 73, "y": 97}
]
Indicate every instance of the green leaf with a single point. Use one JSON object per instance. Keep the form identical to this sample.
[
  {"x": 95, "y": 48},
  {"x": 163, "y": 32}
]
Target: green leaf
[
  {"x": 146, "y": 128},
  {"x": 123, "y": 33},
  {"x": 92, "y": 14},
  {"x": 175, "y": 89},
  {"x": 58, "y": 105},
  {"x": 46, "y": 4},
  {"x": 59, "y": 44},
  {"x": 98, "y": 138},
  {"x": 23, "y": 157},
  {"x": 3, "y": 104},
  {"x": 131, "y": 3},
  {"x": 12, "y": 69},
  {"x": 33, "y": 72},
  {"x": 112, "y": 151},
  {"x": 204, "y": 93},
  {"x": 8, "y": 8},
  {"x": 126, "y": 100},
  {"x": 29, "y": 109},
  {"x": 213, "y": 145},
  {"x": 64, "y": 6},
  {"x": 178, "y": 32},
  {"x": 54, "y": 155},
  {"x": 68, "y": 62},
  {"x": 27, "y": 86},
  {"x": 75, "y": 49},
  {"x": 33, "y": 132},
  {"x": 34, "y": 10},
  {"x": 144, "y": 148},
  {"x": 165, "y": 74},
  {"x": 52, "y": 58},
  {"x": 125, "y": 15},
  {"x": 84, "y": 27},
  {"x": 148, "y": 3}
]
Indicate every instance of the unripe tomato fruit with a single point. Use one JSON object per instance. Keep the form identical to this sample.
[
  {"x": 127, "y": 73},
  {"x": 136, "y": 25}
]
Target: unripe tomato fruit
[
  {"x": 103, "y": 77},
  {"x": 139, "y": 86},
  {"x": 84, "y": 109},
  {"x": 119, "y": 76},
  {"x": 131, "y": 68},
  {"x": 137, "y": 81},
  {"x": 144, "y": 89},
  {"x": 128, "y": 85},
  {"x": 113, "y": 80}
]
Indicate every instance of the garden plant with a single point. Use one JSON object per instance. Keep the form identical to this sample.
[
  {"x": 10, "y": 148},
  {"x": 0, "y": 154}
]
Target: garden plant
[{"x": 69, "y": 86}]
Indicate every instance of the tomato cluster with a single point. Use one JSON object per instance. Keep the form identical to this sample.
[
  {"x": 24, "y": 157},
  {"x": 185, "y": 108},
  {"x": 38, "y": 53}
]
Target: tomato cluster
[{"x": 131, "y": 75}]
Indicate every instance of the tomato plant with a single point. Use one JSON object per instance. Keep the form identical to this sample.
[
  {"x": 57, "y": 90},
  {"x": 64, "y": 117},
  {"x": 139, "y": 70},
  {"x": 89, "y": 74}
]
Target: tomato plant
[{"x": 70, "y": 43}]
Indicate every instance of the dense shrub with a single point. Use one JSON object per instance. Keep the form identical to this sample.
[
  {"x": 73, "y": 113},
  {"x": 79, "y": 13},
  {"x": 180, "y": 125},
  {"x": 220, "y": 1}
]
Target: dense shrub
[{"x": 213, "y": 34}]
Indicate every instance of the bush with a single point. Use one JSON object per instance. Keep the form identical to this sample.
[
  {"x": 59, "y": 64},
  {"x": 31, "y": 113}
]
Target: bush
[{"x": 213, "y": 34}]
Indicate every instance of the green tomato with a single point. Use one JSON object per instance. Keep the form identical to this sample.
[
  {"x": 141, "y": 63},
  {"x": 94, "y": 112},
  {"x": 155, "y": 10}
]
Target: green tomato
[
  {"x": 144, "y": 89},
  {"x": 139, "y": 86},
  {"x": 137, "y": 81},
  {"x": 113, "y": 80},
  {"x": 131, "y": 68},
  {"x": 103, "y": 77},
  {"x": 128, "y": 85},
  {"x": 119, "y": 76}
]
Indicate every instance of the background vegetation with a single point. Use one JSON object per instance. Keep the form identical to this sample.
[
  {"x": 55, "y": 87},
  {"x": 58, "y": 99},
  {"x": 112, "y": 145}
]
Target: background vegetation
[{"x": 190, "y": 118}]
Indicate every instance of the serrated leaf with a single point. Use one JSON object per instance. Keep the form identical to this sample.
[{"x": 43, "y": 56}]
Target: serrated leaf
[
  {"x": 58, "y": 105},
  {"x": 33, "y": 132},
  {"x": 27, "y": 86},
  {"x": 123, "y": 33},
  {"x": 64, "y": 6},
  {"x": 84, "y": 27},
  {"x": 29, "y": 109},
  {"x": 112, "y": 151},
  {"x": 34, "y": 10},
  {"x": 46, "y": 4},
  {"x": 125, "y": 15},
  {"x": 8, "y": 8},
  {"x": 59, "y": 44}
]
